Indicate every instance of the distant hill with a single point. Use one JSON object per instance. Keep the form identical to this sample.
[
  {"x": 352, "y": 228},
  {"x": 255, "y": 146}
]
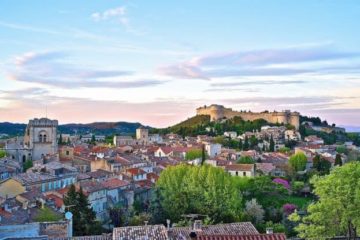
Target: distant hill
[
  {"x": 103, "y": 128},
  {"x": 192, "y": 122}
]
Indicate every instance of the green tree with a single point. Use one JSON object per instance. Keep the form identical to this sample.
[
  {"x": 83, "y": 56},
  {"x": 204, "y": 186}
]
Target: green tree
[
  {"x": 246, "y": 159},
  {"x": 2, "y": 153},
  {"x": 240, "y": 144},
  {"x": 93, "y": 139},
  {"x": 207, "y": 190},
  {"x": 193, "y": 154},
  {"x": 27, "y": 164},
  {"x": 272, "y": 144},
  {"x": 338, "y": 160},
  {"x": 341, "y": 149},
  {"x": 298, "y": 161},
  {"x": 203, "y": 154},
  {"x": 60, "y": 141},
  {"x": 284, "y": 150},
  {"x": 84, "y": 218},
  {"x": 316, "y": 162},
  {"x": 337, "y": 212},
  {"x": 246, "y": 145}
]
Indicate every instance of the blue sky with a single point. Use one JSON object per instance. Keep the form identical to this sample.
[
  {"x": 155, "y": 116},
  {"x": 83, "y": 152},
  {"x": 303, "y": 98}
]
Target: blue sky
[{"x": 156, "y": 61}]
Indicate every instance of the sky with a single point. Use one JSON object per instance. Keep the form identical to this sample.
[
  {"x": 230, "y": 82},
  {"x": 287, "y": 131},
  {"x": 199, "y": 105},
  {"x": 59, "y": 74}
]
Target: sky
[{"x": 155, "y": 62}]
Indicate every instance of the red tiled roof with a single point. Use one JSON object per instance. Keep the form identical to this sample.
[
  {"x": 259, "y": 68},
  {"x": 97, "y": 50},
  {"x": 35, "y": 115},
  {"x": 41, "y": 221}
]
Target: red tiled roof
[
  {"x": 154, "y": 176},
  {"x": 275, "y": 236},
  {"x": 135, "y": 171},
  {"x": 240, "y": 167},
  {"x": 4, "y": 213},
  {"x": 57, "y": 200},
  {"x": 114, "y": 183}
]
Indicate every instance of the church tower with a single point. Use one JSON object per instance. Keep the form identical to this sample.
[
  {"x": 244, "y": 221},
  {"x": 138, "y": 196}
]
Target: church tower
[{"x": 40, "y": 137}]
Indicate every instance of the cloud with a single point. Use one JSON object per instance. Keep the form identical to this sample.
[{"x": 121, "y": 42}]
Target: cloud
[
  {"x": 118, "y": 14},
  {"x": 268, "y": 62},
  {"x": 54, "y": 69},
  {"x": 183, "y": 71},
  {"x": 257, "y": 82}
]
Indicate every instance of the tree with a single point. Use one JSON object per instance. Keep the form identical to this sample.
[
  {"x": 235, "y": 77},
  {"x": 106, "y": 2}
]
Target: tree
[
  {"x": 338, "y": 160},
  {"x": 93, "y": 139},
  {"x": 2, "y": 153},
  {"x": 84, "y": 218},
  {"x": 254, "y": 211},
  {"x": 193, "y": 154},
  {"x": 185, "y": 189},
  {"x": 316, "y": 162},
  {"x": 298, "y": 161},
  {"x": 341, "y": 149},
  {"x": 246, "y": 159},
  {"x": 27, "y": 164},
  {"x": 337, "y": 213},
  {"x": 272, "y": 144},
  {"x": 203, "y": 154},
  {"x": 116, "y": 215},
  {"x": 240, "y": 144},
  {"x": 60, "y": 140},
  {"x": 246, "y": 145}
]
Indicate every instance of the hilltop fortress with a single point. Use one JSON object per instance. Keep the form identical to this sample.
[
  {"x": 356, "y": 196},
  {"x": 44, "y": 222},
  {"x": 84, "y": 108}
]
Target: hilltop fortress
[{"x": 217, "y": 112}]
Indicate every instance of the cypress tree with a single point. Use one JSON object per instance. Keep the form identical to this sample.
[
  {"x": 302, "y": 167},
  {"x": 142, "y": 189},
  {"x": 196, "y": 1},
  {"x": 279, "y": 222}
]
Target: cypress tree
[
  {"x": 338, "y": 160},
  {"x": 272, "y": 144}
]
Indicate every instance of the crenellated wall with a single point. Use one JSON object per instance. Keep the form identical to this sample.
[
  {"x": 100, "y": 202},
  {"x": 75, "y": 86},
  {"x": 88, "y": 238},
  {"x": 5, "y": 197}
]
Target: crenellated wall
[{"x": 217, "y": 112}]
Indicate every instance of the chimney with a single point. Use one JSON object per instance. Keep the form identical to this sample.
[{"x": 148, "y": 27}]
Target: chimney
[
  {"x": 269, "y": 230},
  {"x": 168, "y": 224},
  {"x": 197, "y": 225}
]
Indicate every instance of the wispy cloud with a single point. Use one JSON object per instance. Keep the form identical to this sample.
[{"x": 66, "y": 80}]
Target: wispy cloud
[
  {"x": 258, "y": 63},
  {"x": 54, "y": 69},
  {"x": 118, "y": 13},
  {"x": 28, "y": 28},
  {"x": 257, "y": 82}
]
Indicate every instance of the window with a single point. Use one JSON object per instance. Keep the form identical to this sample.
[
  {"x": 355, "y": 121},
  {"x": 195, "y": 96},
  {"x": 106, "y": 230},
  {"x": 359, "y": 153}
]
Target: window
[
  {"x": 44, "y": 138},
  {"x": 244, "y": 174},
  {"x": 40, "y": 138},
  {"x": 237, "y": 174},
  {"x": 67, "y": 153}
]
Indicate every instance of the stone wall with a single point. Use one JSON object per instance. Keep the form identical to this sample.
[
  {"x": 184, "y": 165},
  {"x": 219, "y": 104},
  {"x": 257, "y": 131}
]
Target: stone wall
[{"x": 217, "y": 112}]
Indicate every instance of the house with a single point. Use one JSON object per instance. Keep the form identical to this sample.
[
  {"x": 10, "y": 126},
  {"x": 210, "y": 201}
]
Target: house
[
  {"x": 231, "y": 135},
  {"x": 313, "y": 139},
  {"x": 97, "y": 196},
  {"x": 213, "y": 149},
  {"x": 242, "y": 170},
  {"x": 123, "y": 141},
  {"x": 137, "y": 174},
  {"x": 150, "y": 232},
  {"x": 115, "y": 190}
]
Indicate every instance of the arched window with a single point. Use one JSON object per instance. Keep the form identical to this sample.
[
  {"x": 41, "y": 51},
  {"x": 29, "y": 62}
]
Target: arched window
[
  {"x": 44, "y": 138},
  {"x": 40, "y": 137}
]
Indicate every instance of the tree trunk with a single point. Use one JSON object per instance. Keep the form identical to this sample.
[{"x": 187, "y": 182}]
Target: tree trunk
[{"x": 351, "y": 231}]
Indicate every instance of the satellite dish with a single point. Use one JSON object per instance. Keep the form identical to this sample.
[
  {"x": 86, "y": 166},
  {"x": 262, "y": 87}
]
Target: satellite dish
[{"x": 68, "y": 215}]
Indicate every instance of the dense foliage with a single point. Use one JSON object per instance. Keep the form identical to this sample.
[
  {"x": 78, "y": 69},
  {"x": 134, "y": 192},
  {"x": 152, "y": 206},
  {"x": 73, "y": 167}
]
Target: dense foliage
[
  {"x": 201, "y": 124},
  {"x": 206, "y": 190},
  {"x": 2, "y": 153},
  {"x": 337, "y": 212},
  {"x": 298, "y": 162}
]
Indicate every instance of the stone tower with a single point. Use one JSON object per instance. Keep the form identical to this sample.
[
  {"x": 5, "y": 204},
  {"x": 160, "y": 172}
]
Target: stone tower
[
  {"x": 142, "y": 135},
  {"x": 40, "y": 137}
]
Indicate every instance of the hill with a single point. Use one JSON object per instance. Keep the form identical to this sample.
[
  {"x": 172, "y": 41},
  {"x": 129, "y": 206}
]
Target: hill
[{"x": 102, "y": 128}]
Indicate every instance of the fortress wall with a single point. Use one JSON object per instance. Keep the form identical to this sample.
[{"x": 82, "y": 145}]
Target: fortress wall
[{"x": 217, "y": 112}]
